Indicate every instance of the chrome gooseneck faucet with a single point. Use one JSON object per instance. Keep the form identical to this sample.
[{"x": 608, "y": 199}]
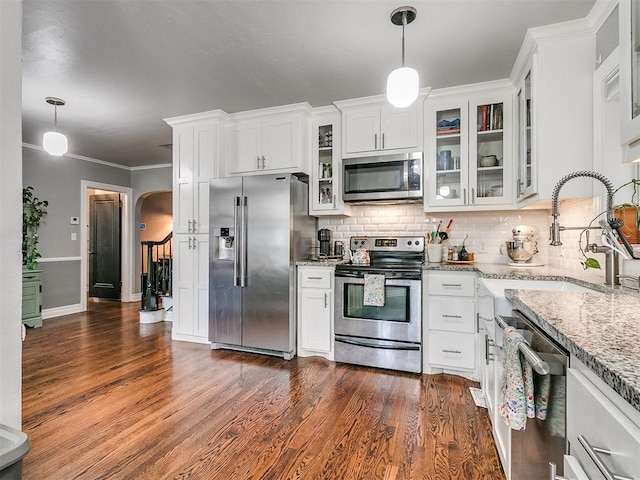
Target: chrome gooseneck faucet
[{"x": 611, "y": 262}]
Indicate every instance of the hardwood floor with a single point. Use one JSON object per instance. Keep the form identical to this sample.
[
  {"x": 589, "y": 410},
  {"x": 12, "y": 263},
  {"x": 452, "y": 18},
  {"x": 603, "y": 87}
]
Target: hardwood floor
[{"x": 106, "y": 397}]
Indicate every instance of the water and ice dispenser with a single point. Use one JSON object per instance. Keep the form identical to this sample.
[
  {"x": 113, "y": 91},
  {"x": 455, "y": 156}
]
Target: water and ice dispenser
[{"x": 223, "y": 239}]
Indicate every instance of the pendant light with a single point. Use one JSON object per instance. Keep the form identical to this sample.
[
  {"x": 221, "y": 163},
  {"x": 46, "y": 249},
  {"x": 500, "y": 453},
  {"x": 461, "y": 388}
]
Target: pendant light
[
  {"x": 403, "y": 83},
  {"x": 55, "y": 143}
]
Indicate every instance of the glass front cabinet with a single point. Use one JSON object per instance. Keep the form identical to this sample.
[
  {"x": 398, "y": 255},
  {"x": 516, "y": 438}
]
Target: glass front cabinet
[
  {"x": 526, "y": 181},
  {"x": 325, "y": 186},
  {"x": 630, "y": 78},
  {"x": 468, "y": 156}
]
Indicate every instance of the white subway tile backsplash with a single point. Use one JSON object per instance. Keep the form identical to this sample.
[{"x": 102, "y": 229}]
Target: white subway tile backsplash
[{"x": 488, "y": 229}]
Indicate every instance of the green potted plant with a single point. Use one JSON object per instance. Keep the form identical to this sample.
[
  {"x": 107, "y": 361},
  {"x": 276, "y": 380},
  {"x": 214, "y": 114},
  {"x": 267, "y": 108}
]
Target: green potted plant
[{"x": 33, "y": 209}]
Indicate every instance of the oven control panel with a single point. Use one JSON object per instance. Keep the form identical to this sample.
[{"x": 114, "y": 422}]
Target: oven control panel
[{"x": 388, "y": 244}]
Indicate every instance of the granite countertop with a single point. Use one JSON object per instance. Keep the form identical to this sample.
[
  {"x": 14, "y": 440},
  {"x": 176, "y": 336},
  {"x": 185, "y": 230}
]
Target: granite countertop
[
  {"x": 602, "y": 330},
  {"x": 599, "y": 328}
]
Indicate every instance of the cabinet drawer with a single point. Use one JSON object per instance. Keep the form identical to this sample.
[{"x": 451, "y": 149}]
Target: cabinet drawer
[
  {"x": 30, "y": 290},
  {"x": 599, "y": 421},
  {"x": 458, "y": 285},
  {"x": 458, "y": 316},
  {"x": 316, "y": 278},
  {"x": 453, "y": 350}
]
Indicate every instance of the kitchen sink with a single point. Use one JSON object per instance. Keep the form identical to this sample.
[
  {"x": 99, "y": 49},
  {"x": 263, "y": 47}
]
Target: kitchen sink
[{"x": 496, "y": 287}]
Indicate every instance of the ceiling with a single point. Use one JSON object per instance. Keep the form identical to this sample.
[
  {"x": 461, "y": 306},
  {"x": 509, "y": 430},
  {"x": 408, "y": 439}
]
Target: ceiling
[{"x": 124, "y": 65}]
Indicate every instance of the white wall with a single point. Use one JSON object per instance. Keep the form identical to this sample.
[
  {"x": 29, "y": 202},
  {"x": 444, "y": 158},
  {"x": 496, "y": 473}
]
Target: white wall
[{"x": 10, "y": 212}]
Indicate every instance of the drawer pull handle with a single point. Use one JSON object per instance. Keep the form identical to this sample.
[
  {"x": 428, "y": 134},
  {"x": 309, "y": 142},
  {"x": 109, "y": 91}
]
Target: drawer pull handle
[
  {"x": 457, "y": 352},
  {"x": 444, "y": 315},
  {"x": 314, "y": 278},
  {"x": 593, "y": 453},
  {"x": 458, "y": 285}
]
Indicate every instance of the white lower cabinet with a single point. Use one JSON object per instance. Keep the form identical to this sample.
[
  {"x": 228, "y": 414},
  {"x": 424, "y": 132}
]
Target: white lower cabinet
[
  {"x": 315, "y": 311},
  {"x": 573, "y": 470},
  {"x": 603, "y": 440},
  {"x": 191, "y": 288},
  {"x": 450, "y": 324}
]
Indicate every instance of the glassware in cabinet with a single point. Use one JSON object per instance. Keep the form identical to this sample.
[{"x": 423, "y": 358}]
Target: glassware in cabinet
[
  {"x": 446, "y": 158},
  {"x": 325, "y": 194}
]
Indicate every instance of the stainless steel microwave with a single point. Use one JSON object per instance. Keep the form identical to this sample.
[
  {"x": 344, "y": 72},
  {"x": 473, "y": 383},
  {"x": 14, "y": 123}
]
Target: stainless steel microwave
[{"x": 385, "y": 177}]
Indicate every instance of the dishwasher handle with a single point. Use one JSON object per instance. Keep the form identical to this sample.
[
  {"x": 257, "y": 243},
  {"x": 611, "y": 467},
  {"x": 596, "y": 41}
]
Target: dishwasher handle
[{"x": 538, "y": 364}]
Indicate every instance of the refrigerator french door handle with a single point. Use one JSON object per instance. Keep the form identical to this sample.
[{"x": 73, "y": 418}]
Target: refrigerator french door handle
[
  {"x": 236, "y": 242},
  {"x": 243, "y": 253}
]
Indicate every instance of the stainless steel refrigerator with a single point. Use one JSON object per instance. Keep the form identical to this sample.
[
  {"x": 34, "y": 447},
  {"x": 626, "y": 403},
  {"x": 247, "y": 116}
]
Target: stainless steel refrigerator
[{"x": 259, "y": 228}]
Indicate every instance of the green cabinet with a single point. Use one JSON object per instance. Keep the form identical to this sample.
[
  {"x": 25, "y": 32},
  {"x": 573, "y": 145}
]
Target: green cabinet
[{"x": 32, "y": 298}]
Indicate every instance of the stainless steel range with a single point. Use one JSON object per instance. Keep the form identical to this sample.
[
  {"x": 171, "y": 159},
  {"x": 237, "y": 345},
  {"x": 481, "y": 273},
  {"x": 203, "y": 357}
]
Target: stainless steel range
[{"x": 389, "y": 333}]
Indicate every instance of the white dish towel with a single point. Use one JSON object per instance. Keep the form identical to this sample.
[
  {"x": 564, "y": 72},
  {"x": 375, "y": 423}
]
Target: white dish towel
[{"x": 373, "y": 290}]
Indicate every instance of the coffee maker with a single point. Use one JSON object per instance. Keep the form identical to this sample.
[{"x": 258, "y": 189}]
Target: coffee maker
[{"x": 324, "y": 237}]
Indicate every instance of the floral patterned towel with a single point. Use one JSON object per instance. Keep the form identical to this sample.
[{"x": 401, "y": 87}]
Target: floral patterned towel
[
  {"x": 373, "y": 290},
  {"x": 542, "y": 388},
  {"x": 516, "y": 392}
]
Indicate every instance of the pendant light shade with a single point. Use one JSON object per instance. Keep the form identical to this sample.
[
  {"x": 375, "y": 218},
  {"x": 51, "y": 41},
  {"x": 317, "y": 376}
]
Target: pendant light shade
[
  {"x": 55, "y": 143},
  {"x": 403, "y": 84},
  {"x": 402, "y": 87}
]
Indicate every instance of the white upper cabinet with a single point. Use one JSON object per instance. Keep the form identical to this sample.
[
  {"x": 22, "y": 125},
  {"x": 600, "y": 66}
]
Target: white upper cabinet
[
  {"x": 198, "y": 145},
  {"x": 630, "y": 78},
  {"x": 325, "y": 188},
  {"x": 469, "y": 148},
  {"x": 554, "y": 76},
  {"x": 270, "y": 140},
  {"x": 371, "y": 127}
]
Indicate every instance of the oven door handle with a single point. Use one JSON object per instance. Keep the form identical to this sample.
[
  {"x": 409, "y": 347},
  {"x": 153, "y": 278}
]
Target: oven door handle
[
  {"x": 349, "y": 275},
  {"x": 373, "y": 344},
  {"x": 531, "y": 356}
]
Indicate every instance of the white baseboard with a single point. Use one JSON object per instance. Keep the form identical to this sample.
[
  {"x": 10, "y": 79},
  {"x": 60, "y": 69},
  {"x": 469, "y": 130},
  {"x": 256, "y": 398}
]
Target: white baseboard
[
  {"x": 60, "y": 311},
  {"x": 189, "y": 338},
  {"x": 133, "y": 297}
]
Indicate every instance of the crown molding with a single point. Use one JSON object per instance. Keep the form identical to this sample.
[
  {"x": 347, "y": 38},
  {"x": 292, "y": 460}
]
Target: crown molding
[{"x": 101, "y": 162}]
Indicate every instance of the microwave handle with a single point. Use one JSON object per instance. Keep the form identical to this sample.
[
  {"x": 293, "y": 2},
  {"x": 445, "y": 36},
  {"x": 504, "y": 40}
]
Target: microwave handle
[{"x": 405, "y": 174}]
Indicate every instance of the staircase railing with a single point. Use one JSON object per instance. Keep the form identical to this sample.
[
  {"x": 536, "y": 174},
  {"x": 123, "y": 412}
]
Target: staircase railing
[{"x": 157, "y": 269}]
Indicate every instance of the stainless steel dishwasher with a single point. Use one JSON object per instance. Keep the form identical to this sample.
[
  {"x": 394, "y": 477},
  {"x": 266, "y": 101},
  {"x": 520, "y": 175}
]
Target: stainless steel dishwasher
[{"x": 543, "y": 441}]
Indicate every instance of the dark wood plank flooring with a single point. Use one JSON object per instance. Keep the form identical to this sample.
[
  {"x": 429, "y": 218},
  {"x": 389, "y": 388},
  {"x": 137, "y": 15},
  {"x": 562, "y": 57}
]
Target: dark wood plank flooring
[{"x": 105, "y": 397}]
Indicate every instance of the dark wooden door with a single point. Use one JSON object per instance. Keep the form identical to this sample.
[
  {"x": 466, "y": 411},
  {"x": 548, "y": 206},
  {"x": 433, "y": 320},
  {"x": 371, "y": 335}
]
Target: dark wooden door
[{"x": 104, "y": 246}]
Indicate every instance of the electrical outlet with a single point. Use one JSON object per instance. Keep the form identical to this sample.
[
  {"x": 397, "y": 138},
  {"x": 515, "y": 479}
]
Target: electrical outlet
[
  {"x": 482, "y": 247},
  {"x": 74, "y": 236}
]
